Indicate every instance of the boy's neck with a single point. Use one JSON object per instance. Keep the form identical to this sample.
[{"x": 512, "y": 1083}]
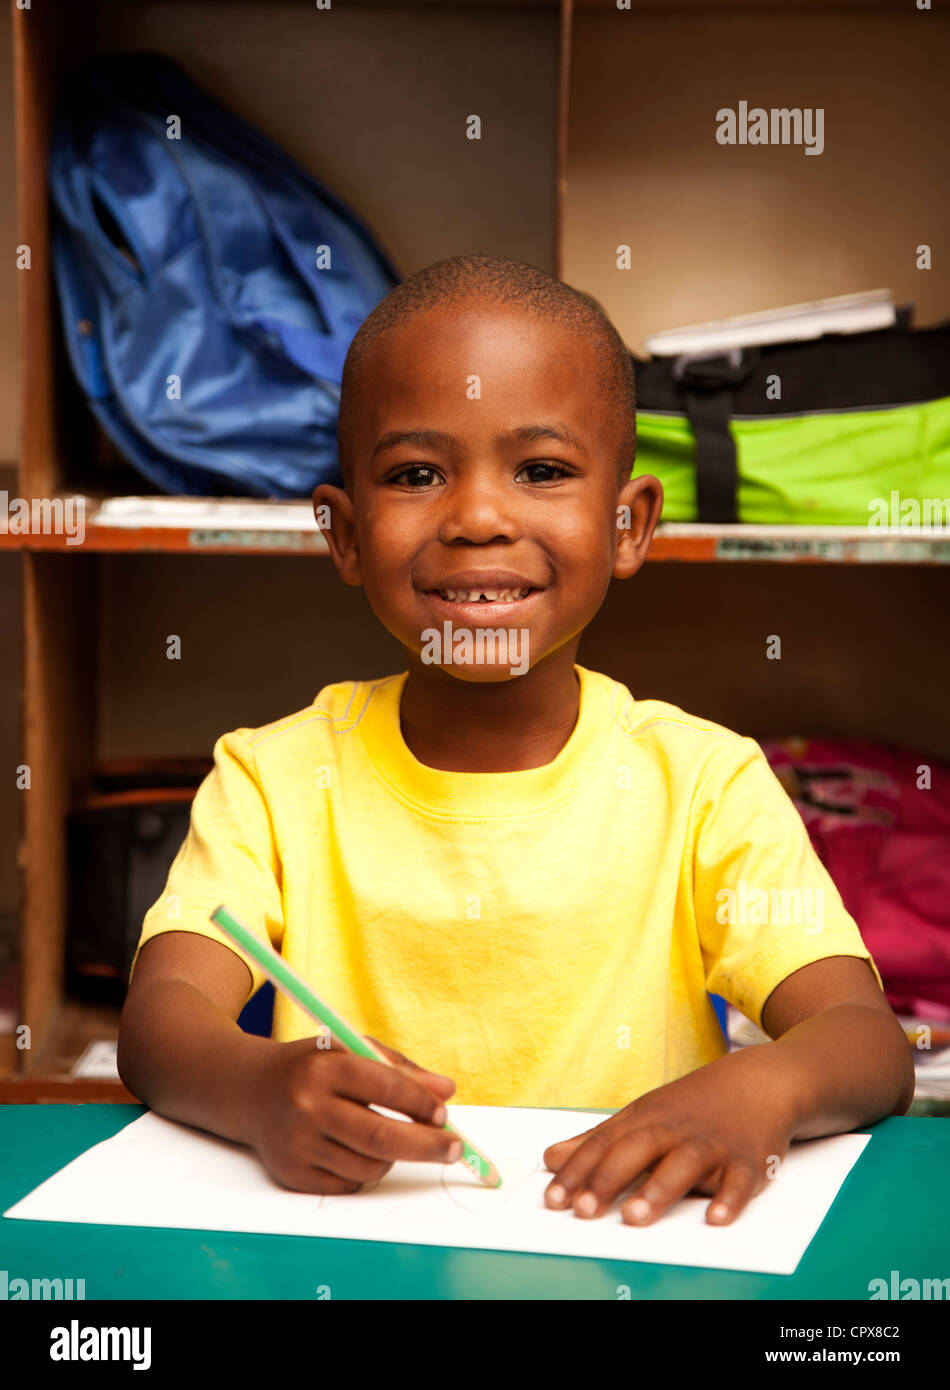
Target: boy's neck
[{"x": 491, "y": 726}]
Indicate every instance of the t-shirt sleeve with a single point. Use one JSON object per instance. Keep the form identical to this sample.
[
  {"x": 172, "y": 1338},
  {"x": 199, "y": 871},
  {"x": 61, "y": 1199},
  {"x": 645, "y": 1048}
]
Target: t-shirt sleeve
[
  {"x": 229, "y": 857},
  {"x": 765, "y": 904}
]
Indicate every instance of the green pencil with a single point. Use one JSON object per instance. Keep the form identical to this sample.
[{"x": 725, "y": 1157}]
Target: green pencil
[{"x": 287, "y": 979}]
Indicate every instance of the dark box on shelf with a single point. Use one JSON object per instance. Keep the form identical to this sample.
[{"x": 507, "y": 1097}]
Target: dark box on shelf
[{"x": 121, "y": 846}]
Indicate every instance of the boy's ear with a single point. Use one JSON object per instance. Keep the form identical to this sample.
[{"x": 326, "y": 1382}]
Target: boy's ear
[
  {"x": 639, "y": 504},
  {"x": 333, "y": 510}
]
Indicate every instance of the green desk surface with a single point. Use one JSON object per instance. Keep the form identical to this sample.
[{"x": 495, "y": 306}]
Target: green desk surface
[{"x": 893, "y": 1212}]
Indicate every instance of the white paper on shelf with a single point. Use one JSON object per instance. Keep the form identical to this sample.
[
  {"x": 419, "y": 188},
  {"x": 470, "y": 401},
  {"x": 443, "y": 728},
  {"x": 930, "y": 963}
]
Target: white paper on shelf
[
  {"x": 156, "y": 1172},
  {"x": 204, "y": 513},
  {"x": 843, "y": 313}
]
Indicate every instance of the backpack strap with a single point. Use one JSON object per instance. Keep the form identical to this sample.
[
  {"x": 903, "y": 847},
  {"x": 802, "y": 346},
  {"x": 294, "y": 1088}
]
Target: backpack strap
[{"x": 706, "y": 380}]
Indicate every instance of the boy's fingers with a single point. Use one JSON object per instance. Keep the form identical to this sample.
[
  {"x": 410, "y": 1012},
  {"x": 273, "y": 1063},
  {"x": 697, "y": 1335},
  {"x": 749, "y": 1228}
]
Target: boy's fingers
[
  {"x": 683, "y": 1167},
  {"x": 444, "y": 1085},
  {"x": 347, "y": 1163},
  {"x": 740, "y": 1183},
  {"x": 640, "y": 1148},
  {"x": 378, "y": 1137},
  {"x": 709, "y": 1185},
  {"x": 301, "y": 1177},
  {"x": 402, "y": 1061},
  {"x": 372, "y": 1083},
  {"x": 557, "y": 1154}
]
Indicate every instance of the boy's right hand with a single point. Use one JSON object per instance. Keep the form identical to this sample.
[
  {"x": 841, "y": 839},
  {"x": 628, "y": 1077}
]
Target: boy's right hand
[{"x": 312, "y": 1127}]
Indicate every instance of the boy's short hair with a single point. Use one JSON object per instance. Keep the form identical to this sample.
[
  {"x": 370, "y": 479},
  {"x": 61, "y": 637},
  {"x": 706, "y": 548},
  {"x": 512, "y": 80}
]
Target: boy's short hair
[{"x": 506, "y": 281}]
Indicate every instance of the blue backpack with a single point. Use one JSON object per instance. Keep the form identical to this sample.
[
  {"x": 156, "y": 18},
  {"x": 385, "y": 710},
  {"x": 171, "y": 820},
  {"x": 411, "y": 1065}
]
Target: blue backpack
[{"x": 199, "y": 324}]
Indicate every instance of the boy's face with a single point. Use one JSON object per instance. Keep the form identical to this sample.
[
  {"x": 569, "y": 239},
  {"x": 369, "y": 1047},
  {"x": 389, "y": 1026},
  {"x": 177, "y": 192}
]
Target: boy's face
[{"x": 485, "y": 455}]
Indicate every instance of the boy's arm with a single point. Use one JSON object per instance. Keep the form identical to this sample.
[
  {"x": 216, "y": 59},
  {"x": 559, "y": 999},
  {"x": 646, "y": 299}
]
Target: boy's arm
[
  {"x": 307, "y": 1111},
  {"x": 180, "y": 1048},
  {"x": 839, "y": 1051},
  {"x": 839, "y": 1060}
]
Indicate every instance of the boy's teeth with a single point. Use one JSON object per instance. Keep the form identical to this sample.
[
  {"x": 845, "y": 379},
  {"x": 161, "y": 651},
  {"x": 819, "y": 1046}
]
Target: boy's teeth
[{"x": 478, "y": 595}]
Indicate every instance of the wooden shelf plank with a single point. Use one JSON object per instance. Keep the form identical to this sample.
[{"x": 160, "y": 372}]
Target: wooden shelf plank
[
  {"x": 63, "y": 1090},
  {"x": 237, "y": 526},
  {"x": 192, "y": 525},
  {"x": 802, "y": 544}
]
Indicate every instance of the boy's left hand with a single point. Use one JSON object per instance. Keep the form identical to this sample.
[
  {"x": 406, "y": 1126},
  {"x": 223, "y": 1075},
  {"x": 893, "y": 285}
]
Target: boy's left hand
[{"x": 722, "y": 1131}]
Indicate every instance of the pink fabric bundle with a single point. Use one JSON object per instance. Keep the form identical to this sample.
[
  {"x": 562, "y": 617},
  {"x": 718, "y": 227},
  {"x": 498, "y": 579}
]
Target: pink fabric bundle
[{"x": 879, "y": 819}]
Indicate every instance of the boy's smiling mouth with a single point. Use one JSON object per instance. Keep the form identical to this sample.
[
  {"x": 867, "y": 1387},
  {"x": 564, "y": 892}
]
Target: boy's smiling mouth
[
  {"x": 497, "y": 589},
  {"x": 482, "y": 595}
]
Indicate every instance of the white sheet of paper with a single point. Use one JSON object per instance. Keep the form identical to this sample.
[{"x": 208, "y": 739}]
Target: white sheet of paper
[{"x": 156, "y": 1172}]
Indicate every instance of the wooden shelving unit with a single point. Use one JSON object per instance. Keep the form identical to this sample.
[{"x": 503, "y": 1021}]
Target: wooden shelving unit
[{"x": 589, "y": 118}]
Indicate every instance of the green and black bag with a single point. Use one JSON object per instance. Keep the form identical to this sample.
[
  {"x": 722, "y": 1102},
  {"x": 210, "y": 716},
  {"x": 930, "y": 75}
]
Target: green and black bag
[{"x": 801, "y": 433}]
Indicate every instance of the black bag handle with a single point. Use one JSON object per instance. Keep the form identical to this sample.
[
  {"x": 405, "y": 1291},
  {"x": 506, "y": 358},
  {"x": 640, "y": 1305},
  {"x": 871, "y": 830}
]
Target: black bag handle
[{"x": 707, "y": 379}]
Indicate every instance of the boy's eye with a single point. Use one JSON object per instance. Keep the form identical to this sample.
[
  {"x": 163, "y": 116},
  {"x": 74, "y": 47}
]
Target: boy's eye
[
  {"x": 411, "y": 475},
  {"x": 420, "y": 475},
  {"x": 558, "y": 470}
]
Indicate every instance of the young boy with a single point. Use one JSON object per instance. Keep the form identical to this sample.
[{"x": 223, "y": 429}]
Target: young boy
[{"x": 498, "y": 861}]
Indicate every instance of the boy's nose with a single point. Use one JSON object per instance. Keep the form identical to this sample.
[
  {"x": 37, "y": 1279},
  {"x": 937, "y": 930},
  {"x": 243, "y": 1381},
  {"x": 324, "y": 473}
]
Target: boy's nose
[{"x": 478, "y": 511}]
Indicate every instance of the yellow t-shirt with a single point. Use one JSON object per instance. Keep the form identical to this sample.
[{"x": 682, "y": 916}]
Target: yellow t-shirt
[{"x": 545, "y": 937}]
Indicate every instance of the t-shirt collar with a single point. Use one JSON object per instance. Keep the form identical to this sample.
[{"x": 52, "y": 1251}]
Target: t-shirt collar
[{"x": 468, "y": 795}]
